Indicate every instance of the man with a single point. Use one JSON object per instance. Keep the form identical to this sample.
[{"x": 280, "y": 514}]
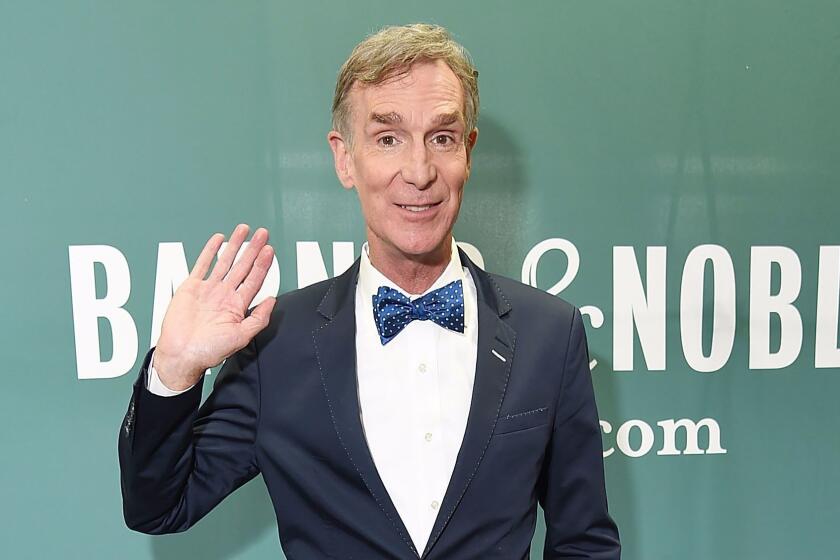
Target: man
[{"x": 414, "y": 406}]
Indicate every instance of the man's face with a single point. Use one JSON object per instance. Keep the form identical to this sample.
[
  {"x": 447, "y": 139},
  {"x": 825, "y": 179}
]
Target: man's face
[{"x": 409, "y": 160}]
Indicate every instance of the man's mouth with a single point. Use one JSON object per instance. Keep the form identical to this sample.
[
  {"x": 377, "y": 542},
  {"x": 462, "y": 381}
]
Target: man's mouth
[{"x": 416, "y": 208}]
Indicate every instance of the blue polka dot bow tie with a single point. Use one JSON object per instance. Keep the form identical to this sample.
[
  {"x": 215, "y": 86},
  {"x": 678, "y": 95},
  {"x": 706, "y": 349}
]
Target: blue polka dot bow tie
[{"x": 392, "y": 311}]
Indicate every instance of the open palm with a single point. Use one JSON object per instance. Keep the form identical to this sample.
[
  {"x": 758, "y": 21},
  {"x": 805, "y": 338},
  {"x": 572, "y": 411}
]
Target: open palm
[{"x": 206, "y": 320}]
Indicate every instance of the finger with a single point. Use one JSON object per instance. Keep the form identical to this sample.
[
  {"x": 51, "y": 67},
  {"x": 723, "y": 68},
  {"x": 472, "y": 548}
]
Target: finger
[
  {"x": 243, "y": 264},
  {"x": 256, "y": 276},
  {"x": 258, "y": 319},
  {"x": 222, "y": 267},
  {"x": 202, "y": 263}
]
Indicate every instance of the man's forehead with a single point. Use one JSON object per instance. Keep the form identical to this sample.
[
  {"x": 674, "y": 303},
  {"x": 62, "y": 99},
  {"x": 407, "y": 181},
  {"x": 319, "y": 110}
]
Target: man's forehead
[{"x": 386, "y": 102}]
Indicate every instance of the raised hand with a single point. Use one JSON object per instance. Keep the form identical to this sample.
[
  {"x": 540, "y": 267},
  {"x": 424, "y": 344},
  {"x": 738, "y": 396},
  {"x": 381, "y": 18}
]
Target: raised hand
[{"x": 205, "y": 321}]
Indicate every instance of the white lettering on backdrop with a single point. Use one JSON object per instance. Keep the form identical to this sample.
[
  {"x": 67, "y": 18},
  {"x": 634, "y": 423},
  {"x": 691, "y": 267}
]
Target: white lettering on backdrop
[{"x": 639, "y": 307}]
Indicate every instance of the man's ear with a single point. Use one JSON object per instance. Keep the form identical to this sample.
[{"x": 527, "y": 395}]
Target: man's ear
[
  {"x": 472, "y": 138},
  {"x": 342, "y": 158}
]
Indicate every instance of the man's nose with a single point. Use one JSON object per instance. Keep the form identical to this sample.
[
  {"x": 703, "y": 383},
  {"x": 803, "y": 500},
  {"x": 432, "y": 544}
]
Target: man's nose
[{"x": 418, "y": 167}]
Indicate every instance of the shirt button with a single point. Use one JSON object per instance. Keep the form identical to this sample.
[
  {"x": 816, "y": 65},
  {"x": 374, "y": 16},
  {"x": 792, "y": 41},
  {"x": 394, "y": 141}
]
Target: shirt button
[
  {"x": 435, "y": 504},
  {"x": 428, "y": 436},
  {"x": 421, "y": 368}
]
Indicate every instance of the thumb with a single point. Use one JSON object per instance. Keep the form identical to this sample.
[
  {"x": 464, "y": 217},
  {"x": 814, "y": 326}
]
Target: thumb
[{"x": 258, "y": 318}]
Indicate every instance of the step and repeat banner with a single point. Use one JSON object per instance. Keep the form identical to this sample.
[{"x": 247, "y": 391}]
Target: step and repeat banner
[{"x": 669, "y": 167}]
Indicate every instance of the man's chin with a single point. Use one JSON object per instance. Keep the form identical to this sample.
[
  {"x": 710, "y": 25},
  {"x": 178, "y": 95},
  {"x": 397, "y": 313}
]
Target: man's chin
[
  {"x": 424, "y": 251},
  {"x": 432, "y": 254}
]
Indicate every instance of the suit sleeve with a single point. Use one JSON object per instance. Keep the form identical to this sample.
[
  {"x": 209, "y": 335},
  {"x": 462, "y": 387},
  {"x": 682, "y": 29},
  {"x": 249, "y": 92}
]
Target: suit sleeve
[
  {"x": 177, "y": 461},
  {"x": 572, "y": 488}
]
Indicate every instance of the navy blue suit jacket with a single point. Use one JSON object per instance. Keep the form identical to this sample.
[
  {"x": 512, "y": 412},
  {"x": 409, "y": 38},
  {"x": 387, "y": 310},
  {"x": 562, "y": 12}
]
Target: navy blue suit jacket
[{"x": 287, "y": 406}]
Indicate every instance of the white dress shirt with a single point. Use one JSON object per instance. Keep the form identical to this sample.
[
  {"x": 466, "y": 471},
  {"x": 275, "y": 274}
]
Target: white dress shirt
[{"x": 414, "y": 396}]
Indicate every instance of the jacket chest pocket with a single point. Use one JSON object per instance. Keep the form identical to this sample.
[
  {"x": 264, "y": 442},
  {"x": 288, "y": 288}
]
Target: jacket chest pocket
[{"x": 521, "y": 421}]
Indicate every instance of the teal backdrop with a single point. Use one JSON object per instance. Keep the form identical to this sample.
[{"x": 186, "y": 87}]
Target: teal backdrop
[{"x": 629, "y": 148}]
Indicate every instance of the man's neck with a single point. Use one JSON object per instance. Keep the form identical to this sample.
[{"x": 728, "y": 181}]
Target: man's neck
[{"x": 413, "y": 275}]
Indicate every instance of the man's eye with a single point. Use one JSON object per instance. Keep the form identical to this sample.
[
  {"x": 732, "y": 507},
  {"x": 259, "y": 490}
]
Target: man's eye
[
  {"x": 388, "y": 141},
  {"x": 443, "y": 140}
]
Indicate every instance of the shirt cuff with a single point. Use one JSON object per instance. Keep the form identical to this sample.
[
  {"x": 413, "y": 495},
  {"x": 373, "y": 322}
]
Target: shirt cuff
[{"x": 156, "y": 386}]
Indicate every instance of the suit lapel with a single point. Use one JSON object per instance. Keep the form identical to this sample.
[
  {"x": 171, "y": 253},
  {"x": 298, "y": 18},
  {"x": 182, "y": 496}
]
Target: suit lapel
[
  {"x": 496, "y": 341},
  {"x": 335, "y": 349}
]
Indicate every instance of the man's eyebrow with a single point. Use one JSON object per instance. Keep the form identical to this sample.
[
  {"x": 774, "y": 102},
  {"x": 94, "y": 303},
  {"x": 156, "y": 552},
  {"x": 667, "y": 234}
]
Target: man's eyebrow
[
  {"x": 445, "y": 119},
  {"x": 386, "y": 118}
]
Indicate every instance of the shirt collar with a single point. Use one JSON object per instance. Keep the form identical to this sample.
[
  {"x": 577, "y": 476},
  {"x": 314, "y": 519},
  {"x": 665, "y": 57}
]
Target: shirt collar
[{"x": 370, "y": 279}]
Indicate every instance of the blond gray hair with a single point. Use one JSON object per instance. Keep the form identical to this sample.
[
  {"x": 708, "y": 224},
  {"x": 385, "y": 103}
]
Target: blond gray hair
[{"x": 389, "y": 53}]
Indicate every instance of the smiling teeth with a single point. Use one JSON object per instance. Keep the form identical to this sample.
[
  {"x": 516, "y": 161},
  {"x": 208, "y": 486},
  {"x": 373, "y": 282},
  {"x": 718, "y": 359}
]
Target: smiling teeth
[{"x": 416, "y": 208}]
